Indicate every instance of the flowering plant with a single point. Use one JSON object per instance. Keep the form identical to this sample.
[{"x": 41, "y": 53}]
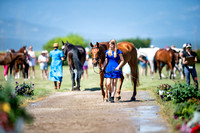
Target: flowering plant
[
  {"x": 165, "y": 91},
  {"x": 11, "y": 114},
  {"x": 24, "y": 89}
]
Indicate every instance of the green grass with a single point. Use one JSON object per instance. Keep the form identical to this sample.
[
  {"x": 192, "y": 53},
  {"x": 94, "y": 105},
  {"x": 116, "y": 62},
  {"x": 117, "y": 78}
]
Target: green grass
[{"x": 45, "y": 87}]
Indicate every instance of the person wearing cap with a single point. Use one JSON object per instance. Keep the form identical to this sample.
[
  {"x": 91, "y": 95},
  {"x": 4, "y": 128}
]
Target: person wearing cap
[
  {"x": 181, "y": 56},
  {"x": 189, "y": 60},
  {"x": 85, "y": 65},
  {"x": 56, "y": 71},
  {"x": 113, "y": 68},
  {"x": 31, "y": 61},
  {"x": 43, "y": 60}
]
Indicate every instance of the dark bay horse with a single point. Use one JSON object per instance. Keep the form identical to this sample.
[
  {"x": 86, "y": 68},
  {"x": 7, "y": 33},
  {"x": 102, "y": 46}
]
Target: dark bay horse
[
  {"x": 76, "y": 56},
  {"x": 164, "y": 56},
  {"x": 130, "y": 56}
]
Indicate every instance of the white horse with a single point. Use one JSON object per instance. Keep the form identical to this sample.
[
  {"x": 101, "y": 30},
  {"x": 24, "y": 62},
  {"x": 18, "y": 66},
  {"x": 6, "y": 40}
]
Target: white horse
[{"x": 149, "y": 53}]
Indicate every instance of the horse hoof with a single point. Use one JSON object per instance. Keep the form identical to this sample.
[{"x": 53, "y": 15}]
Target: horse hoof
[
  {"x": 105, "y": 100},
  {"x": 133, "y": 98},
  {"x": 118, "y": 98}
]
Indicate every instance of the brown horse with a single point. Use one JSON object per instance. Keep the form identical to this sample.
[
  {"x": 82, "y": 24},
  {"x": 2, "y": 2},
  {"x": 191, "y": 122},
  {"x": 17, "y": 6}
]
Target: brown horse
[
  {"x": 18, "y": 62},
  {"x": 165, "y": 57},
  {"x": 130, "y": 56}
]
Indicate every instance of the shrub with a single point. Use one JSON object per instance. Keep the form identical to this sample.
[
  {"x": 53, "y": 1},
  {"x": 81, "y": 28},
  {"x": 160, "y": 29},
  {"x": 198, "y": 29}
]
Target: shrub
[{"x": 182, "y": 92}]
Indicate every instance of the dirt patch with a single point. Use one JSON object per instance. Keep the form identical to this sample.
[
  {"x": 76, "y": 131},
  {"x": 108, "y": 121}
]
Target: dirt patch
[{"x": 85, "y": 112}]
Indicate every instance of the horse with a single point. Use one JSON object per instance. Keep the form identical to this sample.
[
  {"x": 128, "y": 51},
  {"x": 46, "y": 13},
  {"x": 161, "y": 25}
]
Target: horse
[
  {"x": 18, "y": 62},
  {"x": 165, "y": 57},
  {"x": 129, "y": 55},
  {"x": 149, "y": 53},
  {"x": 10, "y": 58},
  {"x": 76, "y": 56}
]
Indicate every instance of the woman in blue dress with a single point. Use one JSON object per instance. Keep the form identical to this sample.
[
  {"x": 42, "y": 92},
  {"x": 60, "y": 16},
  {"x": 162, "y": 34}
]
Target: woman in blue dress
[
  {"x": 56, "y": 72},
  {"x": 113, "y": 68}
]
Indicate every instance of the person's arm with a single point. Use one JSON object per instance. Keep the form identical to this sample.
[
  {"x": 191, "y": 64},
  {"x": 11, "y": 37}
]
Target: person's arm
[
  {"x": 33, "y": 55},
  {"x": 104, "y": 64},
  {"x": 195, "y": 59},
  {"x": 62, "y": 58},
  {"x": 184, "y": 61},
  {"x": 121, "y": 62}
]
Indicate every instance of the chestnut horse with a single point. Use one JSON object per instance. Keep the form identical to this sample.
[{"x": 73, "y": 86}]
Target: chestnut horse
[
  {"x": 165, "y": 57},
  {"x": 18, "y": 62},
  {"x": 130, "y": 56}
]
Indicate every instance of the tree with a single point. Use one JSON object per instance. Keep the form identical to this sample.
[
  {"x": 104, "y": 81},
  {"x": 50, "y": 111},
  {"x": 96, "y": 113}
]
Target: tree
[
  {"x": 71, "y": 38},
  {"x": 139, "y": 43}
]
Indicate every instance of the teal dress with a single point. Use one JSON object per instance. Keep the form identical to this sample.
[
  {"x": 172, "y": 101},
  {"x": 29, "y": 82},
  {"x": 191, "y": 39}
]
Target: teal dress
[
  {"x": 110, "y": 71},
  {"x": 56, "y": 71}
]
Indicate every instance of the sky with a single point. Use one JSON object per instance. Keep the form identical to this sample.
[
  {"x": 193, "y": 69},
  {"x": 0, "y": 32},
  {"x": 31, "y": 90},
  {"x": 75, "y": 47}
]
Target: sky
[{"x": 165, "y": 22}]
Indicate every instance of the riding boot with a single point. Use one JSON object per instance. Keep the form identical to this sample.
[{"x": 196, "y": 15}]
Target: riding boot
[
  {"x": 112, "y": 100},
  {"x": 109, "y": 98}
]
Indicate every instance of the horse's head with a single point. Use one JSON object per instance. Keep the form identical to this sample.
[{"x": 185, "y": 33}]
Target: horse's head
[
  {"x": 65, "y": 49},
  {"x": 95, "y": 51}
]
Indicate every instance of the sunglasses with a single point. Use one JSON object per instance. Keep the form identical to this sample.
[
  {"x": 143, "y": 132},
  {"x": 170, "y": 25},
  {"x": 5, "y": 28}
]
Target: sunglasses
[{"x": 188, "y": 47}]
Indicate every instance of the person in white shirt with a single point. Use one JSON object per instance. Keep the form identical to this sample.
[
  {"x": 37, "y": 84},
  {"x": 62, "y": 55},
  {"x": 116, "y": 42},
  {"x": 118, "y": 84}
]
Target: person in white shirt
[
  {"x": 31, "y": 62},
  {"x": 43, "y": 60}
]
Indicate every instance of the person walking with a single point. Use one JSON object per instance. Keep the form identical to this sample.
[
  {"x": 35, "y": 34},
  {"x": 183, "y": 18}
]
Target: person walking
[
  {"x": 26, "y": 65},
  {"x": 43, "y": 60},
  {"x": 56, "y": 71},
  {"x": 85, "y": 65},
  {"x": 112, "y": 68},
  {"x": 189, "y": 60},
  {"x": 31, "y": 61}
]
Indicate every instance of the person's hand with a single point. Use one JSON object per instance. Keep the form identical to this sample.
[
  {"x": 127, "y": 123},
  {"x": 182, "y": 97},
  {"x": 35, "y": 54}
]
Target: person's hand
[{"x": 117, "y": 69}]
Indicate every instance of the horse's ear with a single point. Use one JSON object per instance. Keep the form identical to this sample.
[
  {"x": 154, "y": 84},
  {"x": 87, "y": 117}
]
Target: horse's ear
[
  {"x": 91, "y": 44},
  {"x": 63, "y": 43},
  {"x": 97, "y": 44}
]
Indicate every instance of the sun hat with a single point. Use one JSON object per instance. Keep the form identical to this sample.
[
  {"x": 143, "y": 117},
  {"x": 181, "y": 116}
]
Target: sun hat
[
  {"x": 184, "y": 45},
  {"x": 43, "y": 52},
  {"x": 55, "y": 45},
  {"x": 188, "y": 45}
]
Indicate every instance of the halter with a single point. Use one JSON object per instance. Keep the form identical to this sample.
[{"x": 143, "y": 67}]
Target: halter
[{"x": 98, "y": 58}]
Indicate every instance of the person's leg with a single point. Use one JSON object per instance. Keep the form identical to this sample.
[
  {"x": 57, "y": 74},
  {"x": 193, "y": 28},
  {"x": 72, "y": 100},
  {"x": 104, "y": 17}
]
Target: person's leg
[
  {"x": 33, "y": 69},
  {"x": 187, "y": 75},
  {"x": 114, "y": 87},
  {"x": 55, "y": 84},
  {"x": 41, "y": 74},
  {"x": 46, "y": 73},
  {"x": 194, "y": 76},
  {"x": 5, "y": 71},
  {"x": 108, "y": 85},
  {"x": 86, "y": 74},
  {"x": 145, "y": 71}
]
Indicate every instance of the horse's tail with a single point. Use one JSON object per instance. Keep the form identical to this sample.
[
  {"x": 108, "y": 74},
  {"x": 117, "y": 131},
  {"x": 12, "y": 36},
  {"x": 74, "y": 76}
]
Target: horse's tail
[
  {"x": 77, "y": 62},
  {"x": 155, "y": 65}
]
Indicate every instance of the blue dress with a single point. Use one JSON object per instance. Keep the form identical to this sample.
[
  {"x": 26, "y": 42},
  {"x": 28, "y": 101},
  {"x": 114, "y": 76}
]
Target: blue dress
[
  {"x": 56, "y": 72},
  {"x": 110, "y": 71}
]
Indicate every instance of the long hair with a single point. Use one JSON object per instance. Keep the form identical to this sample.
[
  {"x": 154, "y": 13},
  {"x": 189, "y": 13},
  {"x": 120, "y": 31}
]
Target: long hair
[{"x": 113, "y": 42}]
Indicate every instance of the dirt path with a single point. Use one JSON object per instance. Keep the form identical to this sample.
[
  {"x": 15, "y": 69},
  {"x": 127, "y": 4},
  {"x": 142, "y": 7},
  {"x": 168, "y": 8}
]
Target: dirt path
[{"x": 84, "y": 112}]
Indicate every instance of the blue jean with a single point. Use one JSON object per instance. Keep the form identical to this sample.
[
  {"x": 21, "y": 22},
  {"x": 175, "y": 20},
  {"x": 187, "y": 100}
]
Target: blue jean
[{"x": 193, "y": 72}]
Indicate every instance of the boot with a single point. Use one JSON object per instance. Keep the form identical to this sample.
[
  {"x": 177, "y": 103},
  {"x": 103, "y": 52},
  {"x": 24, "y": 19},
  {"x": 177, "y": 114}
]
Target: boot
[{"x": 112, "y": 100}]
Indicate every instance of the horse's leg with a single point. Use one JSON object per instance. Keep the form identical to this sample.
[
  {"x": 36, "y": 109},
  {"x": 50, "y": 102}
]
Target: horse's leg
[
  {"x": 159, "y": 69},
  {"x": 72, "y": 78},
  {"x": 79, "y": 73},
  {"x": 134, "y": 76},
  {"x": 105, "y": 96},
  {"x": 118, "y": 97},
  {"x": 171, "y": 68}
]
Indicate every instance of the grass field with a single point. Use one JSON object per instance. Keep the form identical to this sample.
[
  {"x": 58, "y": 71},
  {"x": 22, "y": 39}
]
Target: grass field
[{"x": 44, "y": 88}]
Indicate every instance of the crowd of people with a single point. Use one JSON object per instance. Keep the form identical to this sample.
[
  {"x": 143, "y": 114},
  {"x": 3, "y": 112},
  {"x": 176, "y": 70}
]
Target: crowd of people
[{"x": 112, "y": 69}]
